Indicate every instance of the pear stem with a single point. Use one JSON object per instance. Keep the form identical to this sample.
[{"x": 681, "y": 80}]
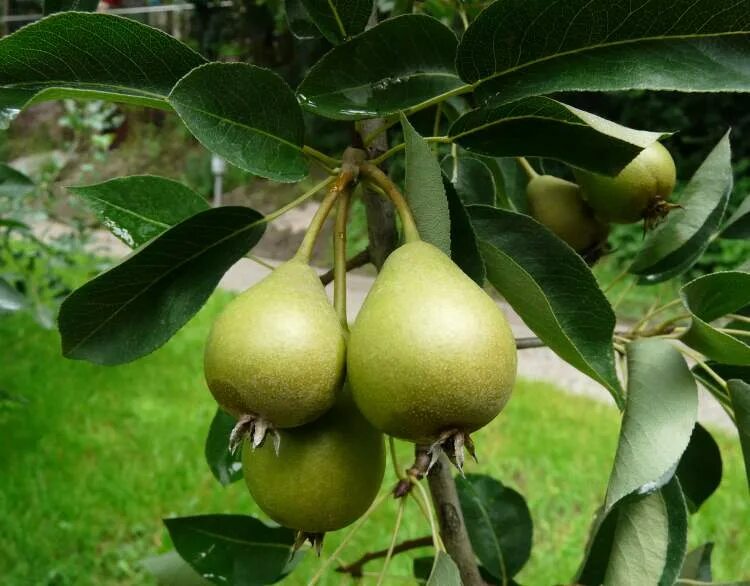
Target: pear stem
[
  {"x": 339, "y": 257},
  {"x": 527, "y": 168},
  {"x": 371, "y": 172}
]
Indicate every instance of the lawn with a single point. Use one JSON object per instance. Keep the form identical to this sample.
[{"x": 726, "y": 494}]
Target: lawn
[{"x": 97, "y": 456}]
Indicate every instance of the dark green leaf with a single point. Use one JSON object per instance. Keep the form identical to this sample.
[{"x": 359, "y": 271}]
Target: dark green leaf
[
  {"x": 13, "y": 183},
  {"x": 424, "y": 190},
  {"x": 170, "y": 569},
  {"x": 90, "y": 56},
  {"x": 464, "y": 248},
  {"x": 471, "y": 178},
  {"x": 401, "y": 62},
  {"x": 338, "y": 20},
  {"x": 135, "y": 307},
  {"x": 725, "y": 371},
  {"x": 550, "y": 287},
  {"x": 542, "y": 127},
  {"x": 234, "y": 549},
  {"x": 738, "y": 225},
  {"x": 444, "y": 571},
  {"x": 739, "y": 392},
  {"x": 660, "y": 413},
  {"x": 10, "y": 299},
  {"x": 499, "y": 524},
  {"x": 299, "y": 20},
  {"x": 246, "y": 114},
  {"x": 52, "y": 6},
  {"x": 697, "y": 564},
  {"x": 519, "y": 48},
  {"x": 700, "y": 468},
  {"x": 512, "y": 189},
  {"x": 682, "y": 239},
  {"x": 225, "y": 466},
  {"x": 598, "y": 549},
  {"x": 137, "y": 208},
  {"x": 709, "y": 298}
]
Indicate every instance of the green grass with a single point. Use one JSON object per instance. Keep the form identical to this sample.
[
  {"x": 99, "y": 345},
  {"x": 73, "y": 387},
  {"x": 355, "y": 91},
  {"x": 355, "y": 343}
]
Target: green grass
[{"x": 98, "y": 456}]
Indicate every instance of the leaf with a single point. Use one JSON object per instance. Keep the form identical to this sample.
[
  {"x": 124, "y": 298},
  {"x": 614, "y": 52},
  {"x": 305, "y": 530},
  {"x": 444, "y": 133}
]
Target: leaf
[
  {"x": 224, "y": 465},
  {"x": 298, "y": 20},
  {"x": 139, "y": 207},
  {"x": 682, "y": 239},
  {"x": 697, "y": 564},
  {"x": 725, "y": 371},
  {"x": 471, "y": 178},
  {"x": 135, "y": 307},
  {"x": 444, "y": 571},
  {"x": 10, "y": 298},
  {"x": 400, "y": 63},
  {"x": 518, "y": 48},
  {"x": 542, "y": 127},
  {"x": 709, "y": 298},
  {"x": 498, "y": 522},
  {"x": 246, "y": 114},
  {"x": 52, "y": 6},
  {"x": 338, "y": 20},
  {"x": 513, "y": 187},
  {"x": 424, "y": 190},
  {"x": 700, "y": 468},
  {"x": 738, "y": 225},
  {"x": 464, "y": 248},
  {"x": 90, "y": 56},
  {"x": 170, "y": 569},
  {"x": 660, "y": 413},
  {"x": 739, "y": 393},
  {"x": 13, "y": 183},
  {"x": 550, "y": 287},
  {"x": 234, "y": 549}
]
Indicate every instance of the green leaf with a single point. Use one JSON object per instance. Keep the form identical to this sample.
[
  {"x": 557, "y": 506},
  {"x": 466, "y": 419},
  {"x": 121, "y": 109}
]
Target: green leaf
[
  {"x": 10, "y": 298},
  {"x": 498, "y": 522},
  {"x": 518, "y": 48},
  {"x": 90, "y": 56},
  {"x": 170, "y": 569},
  {"x": 444, "y": 571},
  {"x": 234, "y": 549},
  {"x": 135, "y": 307},
  {"x": 660, "y": 413},
  {"x": 725, "y": 371},
  {"x": 542, "y": 127},
  {"x": 52, "y": 6},
  {"x": 464, "y": 248},
  {"x": 471, "y": 178},
  {"x": 298, "y": 20},
  {"x": 682, "y": 239},
  {"x": 739, "y": 393},
  {"x": 697, "y": 564},
  {"x": 225, "y": 466},
  {"x": 512, "y": 189},
  {"x": 738, "y": 225},
  {"x": 700, "y": 468},
  {"x": 709, "y": 298},
  {"x": 424, "y": 190},
  {"x": 338, "y": 20},
  {"x": 246, "y": 114},
  {"x": 400, "y": 63},
  {"x": 551, "y": 288},
  {"x": 137, "y": 208},
  {"x": 13, "y": 183}
]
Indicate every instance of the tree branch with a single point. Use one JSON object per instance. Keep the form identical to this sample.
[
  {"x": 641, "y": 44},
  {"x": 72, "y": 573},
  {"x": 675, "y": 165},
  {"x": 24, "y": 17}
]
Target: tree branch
[
  {"x": 526, "y": 343},
  {"x": 356, "y": 568},
  {"x": 358, "y": 260}
]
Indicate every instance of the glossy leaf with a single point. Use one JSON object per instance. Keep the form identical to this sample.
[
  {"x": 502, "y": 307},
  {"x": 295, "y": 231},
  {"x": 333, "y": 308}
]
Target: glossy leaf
[
  {"x": 738, "y": 225},
  {"x": 518, "y": 48},
  {"x": 234, "y": 549},
  {"x": 550, "y": 287},
  {"x": 246, "y": 114},
  {"x": 513, "y": 186},
  {"x": 135, "y": 307},
  {"x": 660, "y": 413},
  {"x": 424, "y": 190},
  {"x": 224, "y": 465},
  {"x": 697, "y": 564},
  {"x": 708, "y": 298},
  {"x": 170, "y": 569},
  {"x": 464, "y": 247},
  {"x": 90, "y": 56},
  {"x": 339, "y": 20},
  {"x": 401, "y": 62},
  {"x": 471, "y": 178},
  {"x": 682, "y": 239},
  {"x": 444, "y": 571},
  {"x": 52, "y": 6},
  {"x": 700, "y": 468},
  {"x": 10, "y": 299},
  {"x": 498, "y": 522},
  {"x": 13, "y": 183},
  {"x": 542, "y": 127},
  {"x": 137, "y": 208},
  {"x": 739, "y": 393},
  {"x": 298, "y": 20}
]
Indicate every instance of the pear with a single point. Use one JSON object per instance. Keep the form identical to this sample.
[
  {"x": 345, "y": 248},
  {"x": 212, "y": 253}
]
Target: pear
[
  {"x": 558, "y": 205},
  {"x": 431, "y": 357},
  {"x": 276, "y": 355},
  {"x": 325, "y": 476},
  {"x": 638, "y": 192}
]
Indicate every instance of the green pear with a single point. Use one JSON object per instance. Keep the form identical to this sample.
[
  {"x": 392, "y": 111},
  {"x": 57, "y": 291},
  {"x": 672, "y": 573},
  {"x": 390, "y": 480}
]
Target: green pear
[
  {"x": 326, "y": 473},
  {"x": 558, "y": 205},
  {"x": 430, "y": 353},
  {"x": 639, "y": 191},
  {"x": 277, "y": 352}
]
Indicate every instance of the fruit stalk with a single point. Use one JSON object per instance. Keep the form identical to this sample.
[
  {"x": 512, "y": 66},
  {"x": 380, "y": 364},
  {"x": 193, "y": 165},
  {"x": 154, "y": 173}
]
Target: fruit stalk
[
  {"x": 339, "y": 257},
  {"x": 371, "y": 172}
]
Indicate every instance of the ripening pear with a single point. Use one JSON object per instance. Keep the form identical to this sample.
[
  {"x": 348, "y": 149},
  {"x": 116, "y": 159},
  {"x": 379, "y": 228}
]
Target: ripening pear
[
  {"x": 277, "y": 352},
  {"x": 430, "y": 353},
  {"x": 558, "y": 205},
  {"x": 326, "y": 474},
  {"x": 638, "y": 192}
]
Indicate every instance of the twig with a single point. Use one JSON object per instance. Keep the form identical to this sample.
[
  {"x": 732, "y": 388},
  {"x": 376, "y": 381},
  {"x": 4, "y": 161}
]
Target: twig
[
  {"x": 358, "y": 260},
  {"x": 526, "y": 343},
  {"x": 356, "y": 568}
]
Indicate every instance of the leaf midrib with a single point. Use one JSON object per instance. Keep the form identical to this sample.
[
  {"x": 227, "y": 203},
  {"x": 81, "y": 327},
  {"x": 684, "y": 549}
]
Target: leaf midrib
[
  {"x": 68, "y": 84},
  {"x": 409, "y": 77},
  {"x": 495, "y": 540}
]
